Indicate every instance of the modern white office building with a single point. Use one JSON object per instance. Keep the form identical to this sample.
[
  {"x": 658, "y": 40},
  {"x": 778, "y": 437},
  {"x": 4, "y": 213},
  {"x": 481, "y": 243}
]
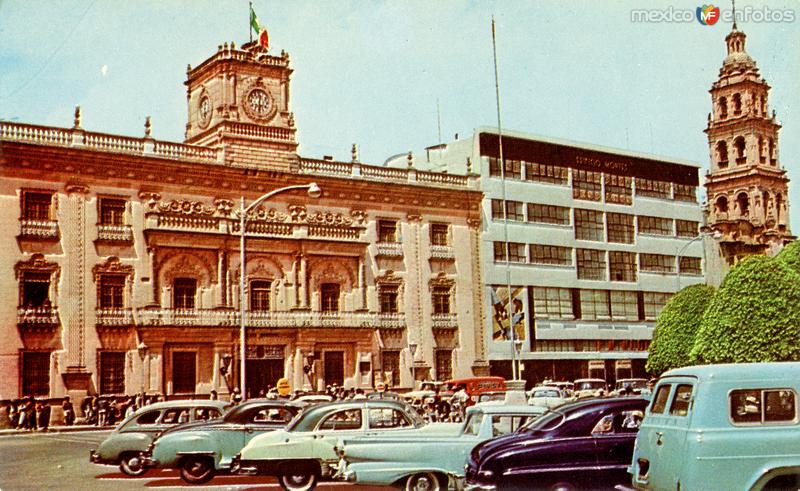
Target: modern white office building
[{"x": 597, "y": 238}]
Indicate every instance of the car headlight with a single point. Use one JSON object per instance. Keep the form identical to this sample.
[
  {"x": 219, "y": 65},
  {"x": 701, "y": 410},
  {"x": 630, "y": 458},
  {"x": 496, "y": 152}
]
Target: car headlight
[{"x": 485, "y": 474}]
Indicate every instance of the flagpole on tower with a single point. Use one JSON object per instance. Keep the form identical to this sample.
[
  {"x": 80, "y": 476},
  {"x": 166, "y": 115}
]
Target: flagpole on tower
[{"x": 250, "y": 22}]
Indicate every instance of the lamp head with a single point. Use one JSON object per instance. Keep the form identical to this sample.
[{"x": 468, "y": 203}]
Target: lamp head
[
  {"x": 142, "y": 349},
  {"x": 314, "y": 191}
]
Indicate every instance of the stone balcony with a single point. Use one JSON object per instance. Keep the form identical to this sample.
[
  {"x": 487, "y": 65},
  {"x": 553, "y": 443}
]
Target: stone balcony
[
  {"x": 38, "y": 229},
  {"x": 38, "y": 317},
  {"x": 389, "y": 249},
  {"x": 444, "y": 321},
  {"x": 442, "y": 252},
  {"x": 267, "y": 319},
  {"x": 111, "y": 317},
  {"x": 114, "y": 233}
]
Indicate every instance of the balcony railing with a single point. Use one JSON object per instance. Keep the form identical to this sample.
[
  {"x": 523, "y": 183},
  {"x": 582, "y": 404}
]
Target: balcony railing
[
  {"x": 444, "y": 321},
  {"x": 442, "y": 252},
  {"x": 38, "y": 316},
  {"x": 115, "y": 233},
  {"x": 266, "y": 319},
  {"x": 389, "y": 249},
  {"x": 111, "y": 317},
  {"x": 38, "y": 229}
]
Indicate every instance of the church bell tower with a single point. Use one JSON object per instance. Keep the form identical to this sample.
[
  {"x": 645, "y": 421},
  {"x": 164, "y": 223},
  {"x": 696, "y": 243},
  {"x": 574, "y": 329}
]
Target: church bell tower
[
  {"x": 238, "y": 100},
  {"x": 747, "y": 188}
]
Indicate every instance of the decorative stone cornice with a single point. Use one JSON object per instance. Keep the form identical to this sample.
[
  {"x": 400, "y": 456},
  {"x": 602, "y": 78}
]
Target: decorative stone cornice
[{"x": 112, "y": 266}]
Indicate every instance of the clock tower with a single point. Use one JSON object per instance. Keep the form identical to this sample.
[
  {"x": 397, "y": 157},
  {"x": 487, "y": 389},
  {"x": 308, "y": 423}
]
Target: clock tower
[
  {"x": 747, "y": 187},
  {"x": 238, "y": 100}
]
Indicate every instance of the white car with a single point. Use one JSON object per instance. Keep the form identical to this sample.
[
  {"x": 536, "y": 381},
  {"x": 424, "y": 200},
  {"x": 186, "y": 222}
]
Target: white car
[{"x": 548, "y": 397}]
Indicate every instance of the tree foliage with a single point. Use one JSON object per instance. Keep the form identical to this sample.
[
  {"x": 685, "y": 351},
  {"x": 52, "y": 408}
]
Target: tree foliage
[
  {"x": 754, "y": 316},
  {"x": 790, "y": 255},
  {"x": 676, "y": 327}
]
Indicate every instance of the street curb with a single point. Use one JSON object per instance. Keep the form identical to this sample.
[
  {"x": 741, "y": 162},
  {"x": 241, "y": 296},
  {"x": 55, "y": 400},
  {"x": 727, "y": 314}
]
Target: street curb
[{"x": 54, "y": 429}]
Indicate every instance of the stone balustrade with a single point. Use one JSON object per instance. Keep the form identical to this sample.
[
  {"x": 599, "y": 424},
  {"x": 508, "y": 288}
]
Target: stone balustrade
[
  {"x": 442, "y": 252},
  {"x": 444, "y": 321},
  {"x": 38, "y": 316},
  {"x": 391, "y": 249},
  {"x": 112, "y": 317},
  {"x": 38, "y": 229},
  {"x": 372, "y": 172},
  {"x": 115, "y": 233},
  {"x": 266, "y": 319},
  {"x": 77, "y": 137}
]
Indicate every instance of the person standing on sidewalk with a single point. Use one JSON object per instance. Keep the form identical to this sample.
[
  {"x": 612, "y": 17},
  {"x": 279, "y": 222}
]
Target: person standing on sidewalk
[{"x": 69, "y": 412}]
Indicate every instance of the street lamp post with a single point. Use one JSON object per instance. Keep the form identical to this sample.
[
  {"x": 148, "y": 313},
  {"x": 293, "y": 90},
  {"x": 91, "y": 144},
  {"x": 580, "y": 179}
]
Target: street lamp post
[
  {"x": 314, "y": 191},
  {"x": 412, "y": 347},
  {"x": 143, "y": 350},
  {"x": 716, "y": 235}
]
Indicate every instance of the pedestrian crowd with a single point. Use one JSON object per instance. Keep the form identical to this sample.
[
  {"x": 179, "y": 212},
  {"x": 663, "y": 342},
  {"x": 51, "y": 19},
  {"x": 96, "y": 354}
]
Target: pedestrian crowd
[{"x": 29, "y": 413}]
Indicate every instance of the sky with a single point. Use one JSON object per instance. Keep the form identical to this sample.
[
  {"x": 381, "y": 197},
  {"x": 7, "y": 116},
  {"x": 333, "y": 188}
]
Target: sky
[{"x": 392, "y": 76}]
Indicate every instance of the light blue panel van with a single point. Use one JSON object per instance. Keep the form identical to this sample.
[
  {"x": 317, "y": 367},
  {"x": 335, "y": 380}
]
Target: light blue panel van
[{"x": 726, "y": 427}]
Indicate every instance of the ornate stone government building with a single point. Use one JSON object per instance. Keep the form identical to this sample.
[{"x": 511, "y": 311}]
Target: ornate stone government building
[{"x": 120, "y": 263}]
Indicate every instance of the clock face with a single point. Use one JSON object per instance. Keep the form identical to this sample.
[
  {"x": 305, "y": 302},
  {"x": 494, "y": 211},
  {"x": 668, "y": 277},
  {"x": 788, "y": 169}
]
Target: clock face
[
  {"x": 205, "y": 110},
  {"x": 259, "y": 102}
]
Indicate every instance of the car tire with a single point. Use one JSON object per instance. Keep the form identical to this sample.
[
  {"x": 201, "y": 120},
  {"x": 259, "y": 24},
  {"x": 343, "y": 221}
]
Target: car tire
[
  {"x": 423, "y": 481},
  {"x": 131, "y": 464},
  {"x": 298, "y": 481},
  {"x": 197, "y": 470}
]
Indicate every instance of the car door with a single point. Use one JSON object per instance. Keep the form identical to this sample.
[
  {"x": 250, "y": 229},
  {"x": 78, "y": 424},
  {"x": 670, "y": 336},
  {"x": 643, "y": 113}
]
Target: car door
[
  {"x": 662, "y": 438},
  {"x": 614, "y": 439}
]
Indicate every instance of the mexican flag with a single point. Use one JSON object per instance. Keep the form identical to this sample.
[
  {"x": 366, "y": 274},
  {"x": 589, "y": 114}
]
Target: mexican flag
[{"x": 263, "y": 37}]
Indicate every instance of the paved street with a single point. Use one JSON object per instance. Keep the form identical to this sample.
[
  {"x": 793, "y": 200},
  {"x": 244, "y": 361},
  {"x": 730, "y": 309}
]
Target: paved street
[{"x": 38, "y": 461}]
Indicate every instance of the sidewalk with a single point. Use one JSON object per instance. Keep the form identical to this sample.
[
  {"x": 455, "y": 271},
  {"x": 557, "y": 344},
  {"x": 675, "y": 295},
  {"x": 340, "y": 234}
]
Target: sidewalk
[{"x": 54, "y": 429}]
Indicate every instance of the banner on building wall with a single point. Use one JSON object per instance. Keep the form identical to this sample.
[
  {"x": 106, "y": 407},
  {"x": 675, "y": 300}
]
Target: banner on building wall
[{"x": 501, "y": 310}]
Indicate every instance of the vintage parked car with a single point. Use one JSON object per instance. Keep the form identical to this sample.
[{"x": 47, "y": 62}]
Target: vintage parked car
[
  {"x": 590, "y": 387},
  {"x": 303, "y": 452},
  {"x": 582, "y": 445},
  {"x": 413, "y": 459},
  {"x": 548, "y": 397},
  {"x": 202, "y": 450},
  {"x": 629, "y": 386},
  {"x": 135, "y": 433},
  {"x": 731, "y": 426}
]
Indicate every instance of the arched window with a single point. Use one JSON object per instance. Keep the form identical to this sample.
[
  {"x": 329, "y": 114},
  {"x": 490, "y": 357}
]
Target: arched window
[
  {"x": 739, "y": 149},
  {"x": 737, "y": 104},
  {"x": 761, "y": 150},
  {"x": 744, "y": 204},
  {"x": 778, "y": 208},
  {"x": 329, "y": 297},
  {"x": 722, "y": 105},
  {"x": 722, "y": 154},
  {"x": 722, "y": 204},
  {"x": 764, "y": 106},
  {"x": 753, "y": 104},
  {"x": 771, "y": 152}
]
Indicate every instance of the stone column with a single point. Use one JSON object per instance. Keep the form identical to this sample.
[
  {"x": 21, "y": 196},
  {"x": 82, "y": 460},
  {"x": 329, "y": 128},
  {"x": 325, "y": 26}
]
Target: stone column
[
  {"x": 154, "y": 298},
  {"x": 74, "y": 292},
  {"x": 222, "y": 263},
  {"x": 362, "y": 287},
  {"x": 304, "y": 297}
]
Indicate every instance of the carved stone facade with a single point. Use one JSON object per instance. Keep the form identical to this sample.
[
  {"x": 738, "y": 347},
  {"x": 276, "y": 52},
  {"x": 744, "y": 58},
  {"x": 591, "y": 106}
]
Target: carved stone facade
[
  {"x": 747, "y": 187},
  {"x": 124, "y": 275}
]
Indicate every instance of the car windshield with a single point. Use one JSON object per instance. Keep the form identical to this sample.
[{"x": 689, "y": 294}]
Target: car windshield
[
  {"x": 546, "y": 422},
  {"x": 589, "y": 385},
  {"x": 632, "y": 383},
  {"x": 546, "y": 393}
]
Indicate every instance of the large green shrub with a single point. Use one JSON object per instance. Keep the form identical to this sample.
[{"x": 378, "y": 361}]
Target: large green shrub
[
  {"x": 754, "y": 316},
  {"x": 676, "y": 327},
  {"x": 791, "y": 255}
]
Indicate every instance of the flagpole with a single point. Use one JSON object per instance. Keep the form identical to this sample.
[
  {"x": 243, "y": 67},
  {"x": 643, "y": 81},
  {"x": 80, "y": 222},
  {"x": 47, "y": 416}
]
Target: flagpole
[
  {"x": 249, "y": 22},
  {"x": 510, "y": 299}
]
